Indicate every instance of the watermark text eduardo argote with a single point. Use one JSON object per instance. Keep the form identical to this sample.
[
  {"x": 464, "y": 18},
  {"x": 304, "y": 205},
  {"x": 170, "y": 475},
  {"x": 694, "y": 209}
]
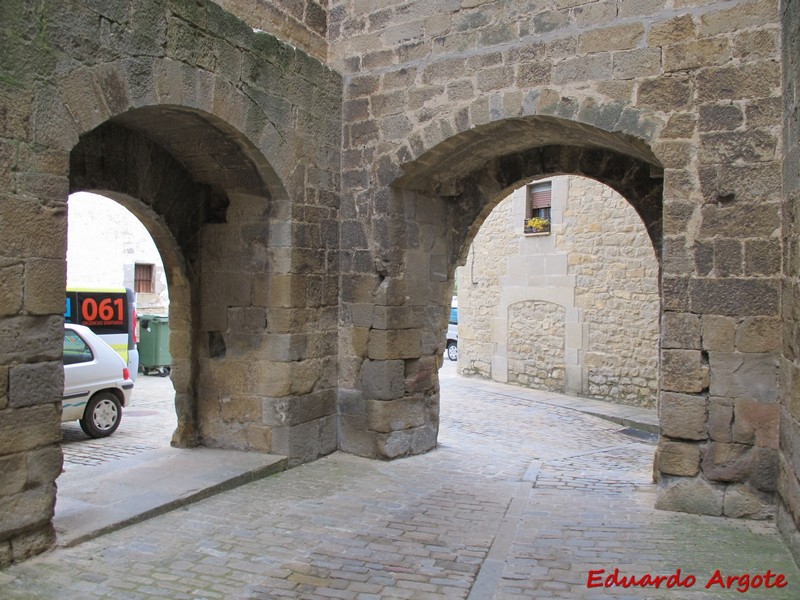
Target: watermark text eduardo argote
[{"x": 741, "y": 582}]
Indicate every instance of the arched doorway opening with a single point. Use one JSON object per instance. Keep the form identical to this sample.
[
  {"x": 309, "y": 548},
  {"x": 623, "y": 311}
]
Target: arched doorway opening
[
  {"x": 108, "y": 247},
  {"x": 436, "y": 207},
  {"x": 199, "y": 188},
  {"x": 571, "y": 306}
]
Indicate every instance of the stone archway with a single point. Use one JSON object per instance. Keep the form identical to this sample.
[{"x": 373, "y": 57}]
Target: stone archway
[
  {"x": 234, "y": 162},
  {"x": 426, "y": 224}
]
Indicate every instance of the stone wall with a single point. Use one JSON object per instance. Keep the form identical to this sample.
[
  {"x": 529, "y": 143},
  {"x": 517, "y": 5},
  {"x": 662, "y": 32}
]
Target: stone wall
[
  {"x": 616, "y": 292},
  {"x": 302, "y": 23},
  {"x": 789, "y": 462},
  {"x": 596, "y": 269},
  {"x": 225, "y": 144},
  {"x": 311, "y": 223},
  {"x": 451, "y": 104}
]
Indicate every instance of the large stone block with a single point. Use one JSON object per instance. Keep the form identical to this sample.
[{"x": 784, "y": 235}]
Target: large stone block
[
  {"x": 756, "y": 423},
  {"x": 666, "y": 93},
  {"x": 383, "y": 379},
  {"x": 619, "y": 37},
  {"x": 759, "y": 334},
  {"x": 681, "y": 330},
  {"x": 13, "y": 474},
  {"x": 36, "y": 383},
  {"x": 720, "y": 419},
  {"x": 683, "y": 371},
  {"x": 683, "y": 416},
  {"x": 675, "y": 458},
  {"x": 727, "y": 462},
  {"x": 29, "y": 509},
  {"x": 393, "y": 344},
  {"x": 743, "y": 502},
  {"x": 44, "y": 466},
  {"x": 11, "y": 288},
  {"x": 734, "y": 297},
  {"x": 692, "y": 495},
  {"x": 421, "y": 374},
  {"x": 764, "y": 474},
  {"x": 27, "y": 428},
  {"x": 719, "y": 333},
  {"x": 696, "y": 53},
  {"x": 393, "y": 415},
  {"x": 30, "y": 229},
  {"x": 32, "y": 542},
  {"x": 746, "y": 376}
]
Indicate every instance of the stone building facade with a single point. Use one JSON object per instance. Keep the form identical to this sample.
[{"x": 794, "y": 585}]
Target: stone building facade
[
  {"x": 313, "y": 185},
  {"x": 574, "y": 309}
]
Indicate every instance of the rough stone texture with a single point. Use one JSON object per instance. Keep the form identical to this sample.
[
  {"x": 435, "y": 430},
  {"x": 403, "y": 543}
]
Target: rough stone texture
[
  {"x": 788, "y": 484},
  {"x": 247, "y": 158},
  {"x": 303, "y": 24},
  {"x": 170, "y": 108},
  {"x": 692, "y": 495},
  {"x": 578, "y": 306}
]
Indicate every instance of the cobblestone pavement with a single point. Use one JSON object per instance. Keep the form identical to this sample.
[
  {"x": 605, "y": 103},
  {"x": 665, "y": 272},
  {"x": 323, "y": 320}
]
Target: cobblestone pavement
[
  {"x": 146, "y": 424},
  {"x": 521, "y": 500}
]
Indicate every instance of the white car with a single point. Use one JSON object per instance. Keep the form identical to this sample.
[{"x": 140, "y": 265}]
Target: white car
[
  {"x": 97, "y": 382},
  {"x": 452, "y": 331}
]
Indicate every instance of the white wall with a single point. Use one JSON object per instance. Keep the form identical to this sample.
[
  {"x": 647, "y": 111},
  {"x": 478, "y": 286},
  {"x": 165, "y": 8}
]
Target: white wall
[{"x": 104, "y": 241}]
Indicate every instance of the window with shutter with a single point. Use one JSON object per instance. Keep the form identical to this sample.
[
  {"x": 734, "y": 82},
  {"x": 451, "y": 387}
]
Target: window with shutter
[
  {"x": 537, "y": 212},
  {"x": 143, "y": 278}
]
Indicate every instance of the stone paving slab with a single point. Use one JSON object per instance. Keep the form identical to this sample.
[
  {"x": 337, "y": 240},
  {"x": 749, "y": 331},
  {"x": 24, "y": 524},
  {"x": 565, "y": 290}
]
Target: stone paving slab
[
  {"x": 115, "y": 495},
  {"x": 522, "y": 499}
]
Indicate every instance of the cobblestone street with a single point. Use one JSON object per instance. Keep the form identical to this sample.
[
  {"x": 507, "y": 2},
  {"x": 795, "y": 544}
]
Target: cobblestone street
[
  {"x": 521, "y": 500},
  {"x": 146, "y": 424}
]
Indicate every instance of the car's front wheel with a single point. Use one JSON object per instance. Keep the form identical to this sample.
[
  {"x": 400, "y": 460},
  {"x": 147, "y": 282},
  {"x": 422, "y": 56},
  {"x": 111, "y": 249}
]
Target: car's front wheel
[
  {"x": 102, "y": 415},
  {"x": 452, "y": 350}
]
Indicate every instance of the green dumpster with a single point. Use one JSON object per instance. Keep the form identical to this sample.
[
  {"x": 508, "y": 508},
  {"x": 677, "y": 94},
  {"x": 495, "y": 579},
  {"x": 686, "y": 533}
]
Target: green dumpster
[{"x": 154, "y": 356}]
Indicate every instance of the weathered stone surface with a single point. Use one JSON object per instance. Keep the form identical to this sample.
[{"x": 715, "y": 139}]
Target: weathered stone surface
[
  {"x": 32, "y": 508},
  {"x": 11, "y": 288},
  {"x": 734, "y": 297},
  {"x": 719, "y": 333},
  {"x": 33, "y": 384},
  {"x": 681, "y": 330},
  {"x": 383, "y": 379},
  {"x": 683, "y": 416},
  {"x": 756, "y": 423},
  {"x": 741, "y": 501},
  {"x": 759, "y": 334},
  {"x": 720, "y": 419},
  {"x": 33, "y": 542},
  {"x": 393, "y": 415},
  {"x": 684, "y": 371},
  {"x": 739, "y": 375},
  {"x": 692, "y": 495},
  {"x": 726, "y": 462},
  {"x": 398, "y": 343},
  {"x": 674, "y": 458},
  {"x": 23, "y": 429}
]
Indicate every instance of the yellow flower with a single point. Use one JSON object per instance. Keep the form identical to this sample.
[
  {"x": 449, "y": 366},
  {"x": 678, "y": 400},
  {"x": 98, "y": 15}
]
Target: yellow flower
[{"x": 537, "y": 223}]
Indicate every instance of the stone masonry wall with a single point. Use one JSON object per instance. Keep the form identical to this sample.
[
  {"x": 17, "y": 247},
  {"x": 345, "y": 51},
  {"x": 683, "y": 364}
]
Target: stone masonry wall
[
  {"x": 451, "y": 104},
  {"x": 225, "y": 144},
  {"x": 616, "y": 291},
  {"x": 302, "y": 23},
  {"x": 788, "y": 517},
  {"x": 597, "y": 270},
  {"x": 536, "y": 345}
]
